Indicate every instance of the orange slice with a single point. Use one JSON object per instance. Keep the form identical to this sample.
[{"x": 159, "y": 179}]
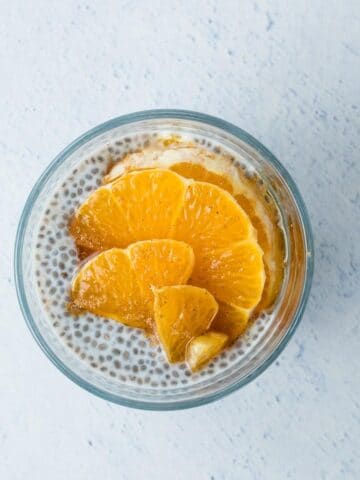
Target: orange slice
[
  {"x": 271, "y": 240},
  {"x": 263, "y": 216},
  {"x": 158, "y": 203},
  {"x": 200, "y": 350},
  {"x": 150, "y": 200},
  {"x": 233, "y": 275},
  {"x": 210, "y": 218},
  {"x": 158, "y": 263},
  {"x": 181, "y": 313},
  {"x": 141, "y": 205},
  {"x": 194, "y": 162},
  {"x": 117, "y": 284},
  {"x": 200, "y": 173},
  {"x": 100, "y": 223},
  {"x": 231, "y": 320},
  {"x": 108, "y": 286}
]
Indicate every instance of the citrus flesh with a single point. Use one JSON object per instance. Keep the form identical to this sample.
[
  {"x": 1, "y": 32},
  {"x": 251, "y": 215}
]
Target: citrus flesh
[
  {"x": 139, "y": 206},
  {"x": 210, "y": 219},
  {"x": 200, "y": 350},
  {"x": 231, "y": 320},
  {"x": 228, "y": 260},
  {"x": 100, "y": 223},
  {"x": 200, "y": 173},
  {"x": 117, "y": 283},
  {"x": 161, "y": 262},
  {"x": 197, "y": 163},
  {"x": 108, "y": 286},
  {"x": 181, "y": 313},
  {"x": 234, "y": 274}
]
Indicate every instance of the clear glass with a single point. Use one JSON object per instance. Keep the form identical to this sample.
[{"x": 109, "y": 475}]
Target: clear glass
[{"x": 295, "y": 290}]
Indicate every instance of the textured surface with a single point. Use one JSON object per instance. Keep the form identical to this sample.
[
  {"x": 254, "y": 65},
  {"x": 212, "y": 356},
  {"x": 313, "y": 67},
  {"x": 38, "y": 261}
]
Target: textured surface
[{"x": 288, "y": 73}]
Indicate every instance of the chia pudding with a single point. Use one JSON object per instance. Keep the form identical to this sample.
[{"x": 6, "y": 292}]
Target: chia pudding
[{"x": 113, "y": 350}]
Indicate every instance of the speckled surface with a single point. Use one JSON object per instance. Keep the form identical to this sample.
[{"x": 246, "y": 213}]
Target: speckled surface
[{"x": 288, "y": 73}]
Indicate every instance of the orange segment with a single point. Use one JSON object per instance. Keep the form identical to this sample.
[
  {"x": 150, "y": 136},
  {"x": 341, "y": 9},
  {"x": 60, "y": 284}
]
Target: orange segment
[
  {"x": 263, "y": 217},
  {"x": 234, "y": 274},
  {"x": 211, "y": 218},
  {"x": 161, "y": 262},
  {"x": 151, "y": 200},
  {"x": 271, "y": 240},
  {"x": 195, "y": 162},
  {"x": 156, "y": 203},
  {"x": 228, "y": 259},
  {"x": 107, "y": 285},
  {"x": 117, "y": 283},
  {"x": 200, "y": 350},
  {"x": 141, "y": 205},
  {"x": 231, "y": 320},
  {"x": 181, "y": 313},
  {"x": 200, "y": 173},
  {"x": 100, "y": 223}
]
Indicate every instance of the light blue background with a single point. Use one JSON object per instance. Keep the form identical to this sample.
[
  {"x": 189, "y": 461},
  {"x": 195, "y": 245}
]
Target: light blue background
[{"x": 288, "y": 72}]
